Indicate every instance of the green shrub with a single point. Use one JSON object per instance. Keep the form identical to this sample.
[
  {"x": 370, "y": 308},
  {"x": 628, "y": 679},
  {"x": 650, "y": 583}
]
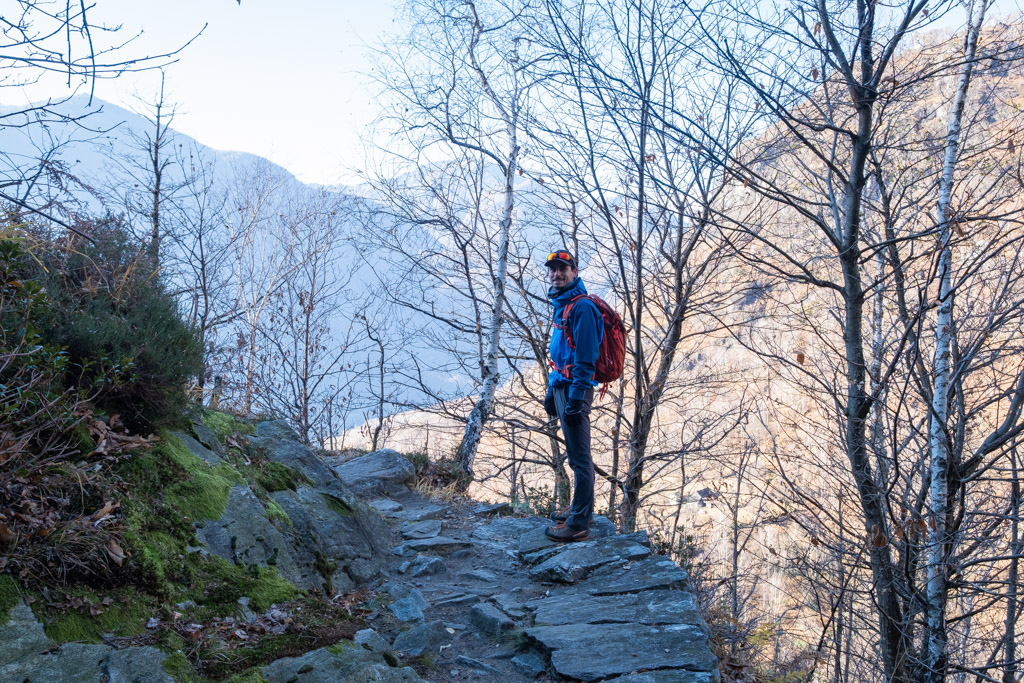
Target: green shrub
[
  {"x": 32, "y": 369},
  {"x": 419, "y": 460},
  {"x": 42, "y": 435},
  {"x": 120, "y": 328}
]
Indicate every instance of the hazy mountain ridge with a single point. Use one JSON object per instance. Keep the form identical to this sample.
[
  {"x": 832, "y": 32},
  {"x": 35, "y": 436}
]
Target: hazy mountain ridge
[{"x": 89, "y": 139}]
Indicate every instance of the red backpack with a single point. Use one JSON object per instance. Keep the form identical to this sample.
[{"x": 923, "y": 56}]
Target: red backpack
[{"x": 611, "y": 356}]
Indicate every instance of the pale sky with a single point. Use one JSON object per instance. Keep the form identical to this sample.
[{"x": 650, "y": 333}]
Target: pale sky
[
  {"x": 281, "y": 79},
  {"x": 273, "y": 78}
]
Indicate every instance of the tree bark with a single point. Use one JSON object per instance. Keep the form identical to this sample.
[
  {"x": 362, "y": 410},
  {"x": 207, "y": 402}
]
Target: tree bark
[
  {"x": 489, "y": 376},
  {"x": 939, "y": 542}
]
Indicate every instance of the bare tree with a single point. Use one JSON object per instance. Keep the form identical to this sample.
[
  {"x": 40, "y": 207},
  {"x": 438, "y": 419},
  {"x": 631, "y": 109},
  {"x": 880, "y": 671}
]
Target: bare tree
[
  {"x": 310, "y": 327},
  {"x": 841, "y": 176},
  {"x": 263, "y": 241},
  {"x": 150, "y": 163},
  {"x": 200, "y": 257},
  {"x": 459, "y": 82},
  {"x": 43, "y": 41},
  {"x": 942, "y": 392}
]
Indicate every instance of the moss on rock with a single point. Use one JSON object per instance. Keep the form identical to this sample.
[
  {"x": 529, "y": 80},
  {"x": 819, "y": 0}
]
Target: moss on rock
[
  {"x": 72, "y": 627},
  {"x": 224, "y": 424},
  {"x": 275, "y": 512},
  {"x": 178, "y": 667},
  {"x": 125, "y": 615},
  {"x": 173, "y": 490},
  {"x": 337, "y": 505},
  {"x": 225, "y": 583},
  {"x": 251, "y": 676},
  {"x": 204, "y": 494},
  {"x": 273, "y": 476},
  {"x": 10, "y": 594}
]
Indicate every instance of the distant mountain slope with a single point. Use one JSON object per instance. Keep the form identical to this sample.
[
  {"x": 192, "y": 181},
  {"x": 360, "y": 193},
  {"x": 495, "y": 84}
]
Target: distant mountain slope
[{"x": 92, "y": 144}]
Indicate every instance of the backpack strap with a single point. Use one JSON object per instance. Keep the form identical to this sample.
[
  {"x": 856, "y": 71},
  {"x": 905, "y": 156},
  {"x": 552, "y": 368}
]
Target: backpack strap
[
  {"x": 564, "y": 327},
  {"x": 565, "y": 371}
]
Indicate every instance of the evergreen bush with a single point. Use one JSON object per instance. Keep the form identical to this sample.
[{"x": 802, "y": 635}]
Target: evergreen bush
[
  {"x": 120, "y": 327},
  {"x": 84, "y": 329}
]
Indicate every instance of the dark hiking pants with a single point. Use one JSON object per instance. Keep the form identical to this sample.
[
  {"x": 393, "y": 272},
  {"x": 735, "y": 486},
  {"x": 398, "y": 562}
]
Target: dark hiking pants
[{"x": 577, "y": 449}]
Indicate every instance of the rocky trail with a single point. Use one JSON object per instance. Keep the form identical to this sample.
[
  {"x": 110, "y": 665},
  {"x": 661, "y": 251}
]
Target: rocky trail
[
  {"x": 486, "y": 596},
  {"x": 453, "y": 590},
  {"x": 490, "y": 598}
]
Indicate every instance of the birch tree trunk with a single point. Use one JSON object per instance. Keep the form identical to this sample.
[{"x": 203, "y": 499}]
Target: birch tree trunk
[
  {"x": 489, "y": 375},
  {"x": 938, "y": 444},
  {"x": 1010, "y": 664},
  {"x": 466, "y": 453}
]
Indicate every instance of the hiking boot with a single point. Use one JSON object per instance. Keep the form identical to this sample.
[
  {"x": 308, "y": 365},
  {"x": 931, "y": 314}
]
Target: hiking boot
[
  {"x": 561, "y": 515},
  {"x": 566, "y": 534}
]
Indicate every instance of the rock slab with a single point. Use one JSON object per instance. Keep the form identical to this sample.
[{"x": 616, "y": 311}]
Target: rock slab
[
  {"x": 244, "y": 535},
  {"x": 528, "y": 664},
  {"x": 614, "y": 612},
  {"x": 22, "y": 635},
  {"x": 438, "y": 544},
  {"x": 646, "y": 607},
  {"x": 576, "y": 562},
  {"x": 341, "y": 663},
  {"x": 591, "y": 652},
  {"x": 428, "y": 528},
  {"x": 347, "y": 533},
  {"x": 427, "y": 565},
  {"x": 199, "y": 450},
  {"x": 426, "y": 638},
  {"x": 380, "y": 472},
  {"x": 489, "y": 619}
]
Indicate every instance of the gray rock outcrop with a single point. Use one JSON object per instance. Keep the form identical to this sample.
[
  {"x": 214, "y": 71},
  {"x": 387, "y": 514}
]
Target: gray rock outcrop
[
  {"x": 137, "y": 665},
  {"x": 438, "y": 544},
  {"x": 330, "y": 538},
  {"x": 622, "y": 611},
  {"x": 591, "y": 652},
  {"x": 28, "y": 656},
  {"x": 244, "y": 535},
  {"x": 207, "y": 437},
  {"x": 426, "y": 565},
  {"x": 579, "y": 560},
  {"x": 347, "y": 533},
  {"x": 489, "y": 619},
  {"x": 601, "y": 610},
  {"x": 22, "y": 635},
  {"x": 427, "y": 638},
  {"x": 428, "y": 528},
  {"x": 198, "y": 449},
  {"x": 384, "y": 471},
  {"x": 409, "y": 608},
  {"x": 340, "y": 663},
  {"x": 282, "y": 445}
]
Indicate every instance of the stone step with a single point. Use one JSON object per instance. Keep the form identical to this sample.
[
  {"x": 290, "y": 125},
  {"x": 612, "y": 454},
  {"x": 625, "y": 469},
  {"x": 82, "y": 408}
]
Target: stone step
[{"x": 593, "y": 652}]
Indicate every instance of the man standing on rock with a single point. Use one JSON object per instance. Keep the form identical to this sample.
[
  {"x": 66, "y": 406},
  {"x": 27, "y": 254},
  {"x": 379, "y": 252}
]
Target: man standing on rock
[{"x": 571, "y": 387}]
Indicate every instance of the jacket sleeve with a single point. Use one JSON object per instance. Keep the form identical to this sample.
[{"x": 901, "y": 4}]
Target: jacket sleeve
[{"x": 587, "y": 331}]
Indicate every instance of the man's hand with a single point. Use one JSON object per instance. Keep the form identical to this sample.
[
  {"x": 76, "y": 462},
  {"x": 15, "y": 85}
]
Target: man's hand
[
  {"x": 573, "y": 416},
  {"x": 549, "y": 404}
]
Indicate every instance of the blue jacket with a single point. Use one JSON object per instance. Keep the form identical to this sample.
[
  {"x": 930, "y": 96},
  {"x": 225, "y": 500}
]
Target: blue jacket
[{"x": 587, "y": 330}]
